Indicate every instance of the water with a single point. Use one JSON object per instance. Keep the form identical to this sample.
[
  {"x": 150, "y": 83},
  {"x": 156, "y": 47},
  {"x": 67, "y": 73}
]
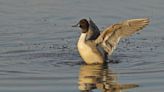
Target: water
[{"x": 38, "y": 46}]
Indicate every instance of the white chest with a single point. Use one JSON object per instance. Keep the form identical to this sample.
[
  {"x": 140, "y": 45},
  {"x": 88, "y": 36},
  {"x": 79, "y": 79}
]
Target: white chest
[
  {"x": 87, "y": 53},
  {"x": 82, "y": 46}
]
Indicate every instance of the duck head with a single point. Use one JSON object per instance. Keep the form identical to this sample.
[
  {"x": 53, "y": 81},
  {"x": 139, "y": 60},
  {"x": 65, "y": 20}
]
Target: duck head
[{"x": 83, "y": 24}]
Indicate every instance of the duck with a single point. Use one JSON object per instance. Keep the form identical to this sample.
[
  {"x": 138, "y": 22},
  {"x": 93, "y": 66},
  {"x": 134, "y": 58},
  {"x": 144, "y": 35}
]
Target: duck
[{"x": 94, "y": 46}]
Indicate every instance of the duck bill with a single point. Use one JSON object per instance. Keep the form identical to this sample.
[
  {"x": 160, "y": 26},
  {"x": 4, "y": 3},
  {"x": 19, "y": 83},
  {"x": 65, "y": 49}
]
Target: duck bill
[{"x": 77, "y": 25}]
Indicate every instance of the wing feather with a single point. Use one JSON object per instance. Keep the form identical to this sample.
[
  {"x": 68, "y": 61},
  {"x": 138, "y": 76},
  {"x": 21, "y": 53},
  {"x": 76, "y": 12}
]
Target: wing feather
[
  {"x": 93, "y": 32},
  {"x": 110, "y": 37}
]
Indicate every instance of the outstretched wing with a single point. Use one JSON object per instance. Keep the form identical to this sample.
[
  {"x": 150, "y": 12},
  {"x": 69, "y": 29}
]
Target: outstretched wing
[
  {"x": 93, "y": 32},
  {"x": 110, "y": 37}
]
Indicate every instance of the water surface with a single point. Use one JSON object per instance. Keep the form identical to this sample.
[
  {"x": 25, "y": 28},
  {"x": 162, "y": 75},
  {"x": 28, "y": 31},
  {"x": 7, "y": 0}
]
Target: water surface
[{"x": 38, "y": 45}]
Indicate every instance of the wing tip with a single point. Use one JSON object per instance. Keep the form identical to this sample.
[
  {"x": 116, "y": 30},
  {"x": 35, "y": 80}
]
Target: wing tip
[
  {"x": 141, "y": 21},
  {"x": 146, "y": 20}
]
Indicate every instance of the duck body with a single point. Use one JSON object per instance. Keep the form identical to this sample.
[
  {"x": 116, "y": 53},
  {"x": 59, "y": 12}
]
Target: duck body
[{"x": 89, "y": 51}]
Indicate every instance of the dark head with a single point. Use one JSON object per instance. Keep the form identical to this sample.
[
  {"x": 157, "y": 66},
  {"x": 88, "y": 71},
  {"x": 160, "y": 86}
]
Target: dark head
[{"x": 83, "y": 24}]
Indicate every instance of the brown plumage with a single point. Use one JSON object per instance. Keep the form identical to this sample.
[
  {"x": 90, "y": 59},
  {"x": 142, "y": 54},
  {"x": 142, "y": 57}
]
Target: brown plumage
[
  {"x": 110, "y": 37},
  {"x": 93, "y": 45}
]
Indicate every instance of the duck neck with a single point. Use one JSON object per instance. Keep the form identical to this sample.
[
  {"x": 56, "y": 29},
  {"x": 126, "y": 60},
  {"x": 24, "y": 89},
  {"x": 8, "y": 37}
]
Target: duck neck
[{"x": 82, "y": 37}]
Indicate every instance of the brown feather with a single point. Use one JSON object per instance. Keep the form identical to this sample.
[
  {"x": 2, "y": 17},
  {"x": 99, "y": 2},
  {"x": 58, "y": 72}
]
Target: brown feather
[{"x": 110, "y": 37}]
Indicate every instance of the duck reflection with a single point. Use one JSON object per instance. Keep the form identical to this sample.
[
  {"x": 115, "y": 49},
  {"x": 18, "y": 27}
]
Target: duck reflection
[{"x": 100, "y": 77}]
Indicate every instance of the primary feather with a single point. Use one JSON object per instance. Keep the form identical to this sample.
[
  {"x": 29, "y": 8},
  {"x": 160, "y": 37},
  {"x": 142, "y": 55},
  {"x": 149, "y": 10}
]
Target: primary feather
[{"x": 110, "y": 37}]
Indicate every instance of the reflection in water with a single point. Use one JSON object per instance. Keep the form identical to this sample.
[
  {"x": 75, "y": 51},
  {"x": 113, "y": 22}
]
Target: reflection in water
[{"x": 100, "y": 77}]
